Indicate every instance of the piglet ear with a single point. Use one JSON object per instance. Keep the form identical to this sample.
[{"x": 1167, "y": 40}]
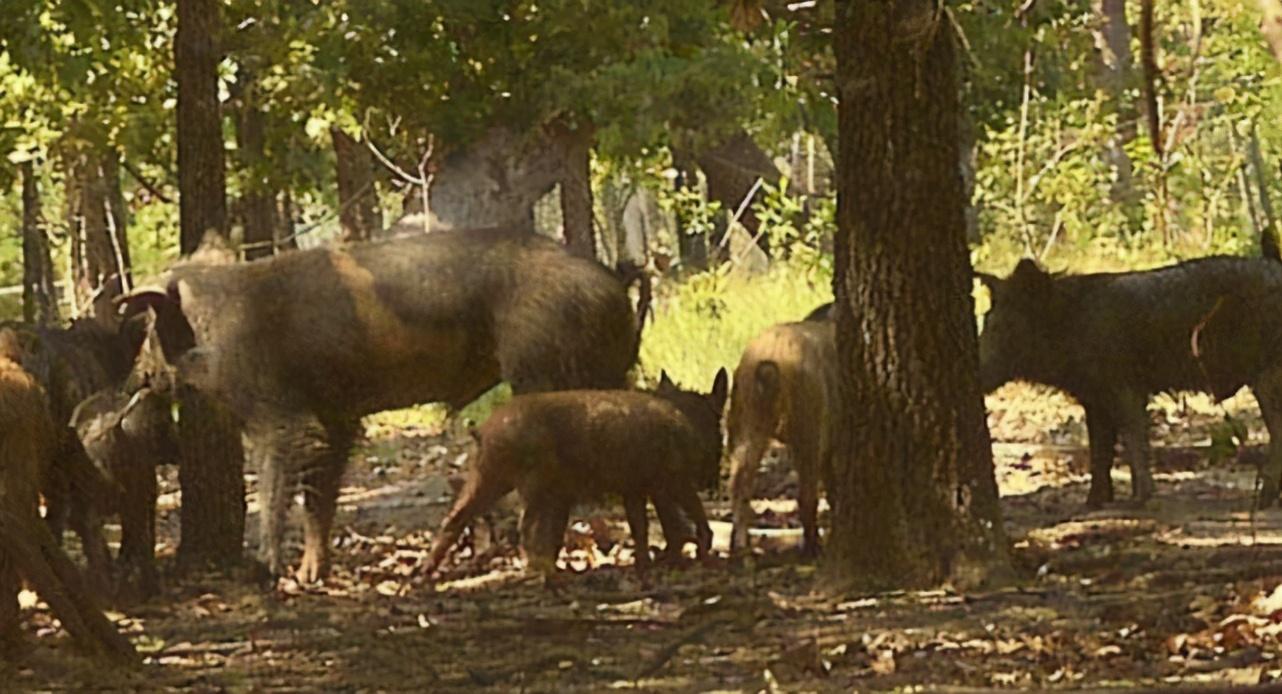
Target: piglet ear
[{"x": 720, "y": 389}]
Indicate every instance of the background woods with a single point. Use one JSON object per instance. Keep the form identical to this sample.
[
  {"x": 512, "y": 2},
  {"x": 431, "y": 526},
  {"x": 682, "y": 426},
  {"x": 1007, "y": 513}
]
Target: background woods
[{"x": 727, "y": 166}]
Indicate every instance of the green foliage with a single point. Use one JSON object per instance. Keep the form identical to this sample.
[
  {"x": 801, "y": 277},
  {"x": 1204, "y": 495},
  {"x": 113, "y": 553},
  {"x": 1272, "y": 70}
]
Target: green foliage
[{"x": 705, "y": 322}]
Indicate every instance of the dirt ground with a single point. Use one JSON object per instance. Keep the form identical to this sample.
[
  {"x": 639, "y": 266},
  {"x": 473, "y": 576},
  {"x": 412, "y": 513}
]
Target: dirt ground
[{"x": 1185, "y": 591}]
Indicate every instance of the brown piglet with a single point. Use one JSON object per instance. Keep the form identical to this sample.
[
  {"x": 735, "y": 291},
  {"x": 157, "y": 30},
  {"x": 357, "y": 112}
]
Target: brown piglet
[{"x": 557, "y": 449}]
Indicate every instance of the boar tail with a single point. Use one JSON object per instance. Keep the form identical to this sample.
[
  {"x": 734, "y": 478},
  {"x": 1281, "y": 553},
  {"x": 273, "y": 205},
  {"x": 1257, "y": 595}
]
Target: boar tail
[{"x": 766, "y": 380}]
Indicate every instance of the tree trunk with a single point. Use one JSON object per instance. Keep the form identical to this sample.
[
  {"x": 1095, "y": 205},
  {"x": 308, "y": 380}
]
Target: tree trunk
[
  {"x": 212, "y": 462},
  {"x": 691, "y": 247},
  {"x": 359, "y": 212},
  {"x": 39, "y": 295},
  {"x": 576, "y": 192},
  {"x": 258, "y": 199},
  {"x": 210, "y": 473},
  {"x": 284, "y": 226},
  {"x": 732, "y": 168},
  {"x": 99, "y": 247},
  {"x": 493, "y": 182},
  {"x": 913, "y": 492},
  {"x": 202, "y": 182},
  {"x": 1112, "y": 35}
]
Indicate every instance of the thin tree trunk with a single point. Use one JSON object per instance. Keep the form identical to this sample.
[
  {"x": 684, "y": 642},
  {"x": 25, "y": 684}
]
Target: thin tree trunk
[
  {"x": 96, "y": 234},
  {"x": 285, "y": 231},
  {"x": 914, "y": 497},
  {"x": 258, "y": 200},
  {"x": 359, "y": 212},
  {"x": 691, "y": 246},
  {"x": 1112, "y": 36},
  {"x": 576, "y": 193},
  {"x": 39, "y": 295},
  {"x": 212, "y": 461},
  {"x": 202, "y": 182}
]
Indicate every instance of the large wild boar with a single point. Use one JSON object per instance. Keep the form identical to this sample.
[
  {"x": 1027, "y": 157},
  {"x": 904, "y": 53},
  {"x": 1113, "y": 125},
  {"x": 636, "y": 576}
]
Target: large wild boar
[
  {"x": 1112, "y": 340},
  {"x": 785, "y": 390},
  {"x": 556, "y": 449},
  {"x": 301, "y": 346}
]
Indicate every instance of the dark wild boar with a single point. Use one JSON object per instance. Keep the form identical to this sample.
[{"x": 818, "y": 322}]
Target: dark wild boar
[
  {"x": 557, "y": 449},
  {"x": 301, "y": 346},
  {"x": 785, "y": 391},
  {"x": 28, "y": 440},
  {"x": 1112, "y": 340},
  {"x": 821, "y": 312},
  {"x": 70, "y": 364}
]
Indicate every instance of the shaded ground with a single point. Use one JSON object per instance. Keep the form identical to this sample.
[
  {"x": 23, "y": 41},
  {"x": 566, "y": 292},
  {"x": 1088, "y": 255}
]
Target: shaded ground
[{"x": 1179, "y": 592}]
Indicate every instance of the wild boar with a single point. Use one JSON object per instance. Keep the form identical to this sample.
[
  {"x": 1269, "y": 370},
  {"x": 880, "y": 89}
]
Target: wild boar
[
  {"x": 28, "y": 440},
  {"x": 785, "y": 390},
  {"x": 302, "y": 345},
  {"x": 556, "y": 449},
  {"x": 1112, "y": 340}
]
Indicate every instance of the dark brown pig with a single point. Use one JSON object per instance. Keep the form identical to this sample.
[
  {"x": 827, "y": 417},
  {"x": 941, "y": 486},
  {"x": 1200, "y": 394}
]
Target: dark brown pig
[
  {"x": 785, "y": 390},
  {"x": 556, "y": 449},
  {"x": 301, "y": 346}
]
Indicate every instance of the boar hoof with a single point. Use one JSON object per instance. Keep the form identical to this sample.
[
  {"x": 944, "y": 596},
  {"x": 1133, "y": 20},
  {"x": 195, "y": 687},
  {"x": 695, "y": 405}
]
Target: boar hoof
[{"x": 312, "y": 569}]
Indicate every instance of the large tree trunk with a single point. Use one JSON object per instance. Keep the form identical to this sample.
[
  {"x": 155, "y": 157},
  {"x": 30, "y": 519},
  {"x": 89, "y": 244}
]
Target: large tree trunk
[
  {"x": 1112, "y": 34},
  {"x": 576, "y": 192},
  {"x": 914, "y": 498},
  {"x": 39, "y": 295},
  {"x": 212, "y": 462},
  {"x": 359, "y": 212},
  {"x": 258, "y": 200},
  {"x": 493, "y": 182},
  {"x": 732, "y": 168}
]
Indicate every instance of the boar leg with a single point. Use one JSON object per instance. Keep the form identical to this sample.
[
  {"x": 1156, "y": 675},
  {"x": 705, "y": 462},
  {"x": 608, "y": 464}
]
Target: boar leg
[
  {"x": 687, "y": 498},
  {"x": 138, "y": 526},
  {"x": 639, "y": 524},
  {"x": 477, "y": 496},
  {"x": 806, "y": 458},
  {"x": 543, "y": 523},
  {"x": 270, "y": 447},
  {"x": 1102, "y": 432},
  {"x": 745, "y": 460},
  {"x": 677, "y": 530},
  {"x": 321, "y": 480},
  {"x": 1268, "y": 392},
  {"x": 1132, "y": 426}
]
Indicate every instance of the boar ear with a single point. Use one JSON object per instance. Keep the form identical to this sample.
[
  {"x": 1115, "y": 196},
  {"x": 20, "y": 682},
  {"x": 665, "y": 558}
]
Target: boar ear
[
  {"x": 10, "y": 345},
  {"x": 170, "y": 324},
  {"x": 1029, "y": 277},
  {"x": 665, "y": 383},
  {"x": 720, "y": 389}
]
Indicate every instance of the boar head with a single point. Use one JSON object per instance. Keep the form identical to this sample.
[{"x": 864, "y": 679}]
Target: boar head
[{"x": 1013, "y": 339}]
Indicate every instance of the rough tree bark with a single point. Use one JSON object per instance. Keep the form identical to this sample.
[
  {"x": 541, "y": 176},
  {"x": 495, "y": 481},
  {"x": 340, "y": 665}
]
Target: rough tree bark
[
  {"x": 576, "y": 191},
  {"x": 359, "y": 212},
  {"x": 258, "y": 201},
  {"x": 211, "y": 465},
  {"x": 39, "y": 295},
  {"x": 914, "y": 497}
]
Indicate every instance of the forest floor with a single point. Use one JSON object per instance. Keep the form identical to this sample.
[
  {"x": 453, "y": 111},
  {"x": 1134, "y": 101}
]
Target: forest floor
[{"x": 1184, "y": 591}]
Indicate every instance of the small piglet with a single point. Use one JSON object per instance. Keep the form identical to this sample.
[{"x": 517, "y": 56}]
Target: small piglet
[{"x": 559, "y": 448}]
